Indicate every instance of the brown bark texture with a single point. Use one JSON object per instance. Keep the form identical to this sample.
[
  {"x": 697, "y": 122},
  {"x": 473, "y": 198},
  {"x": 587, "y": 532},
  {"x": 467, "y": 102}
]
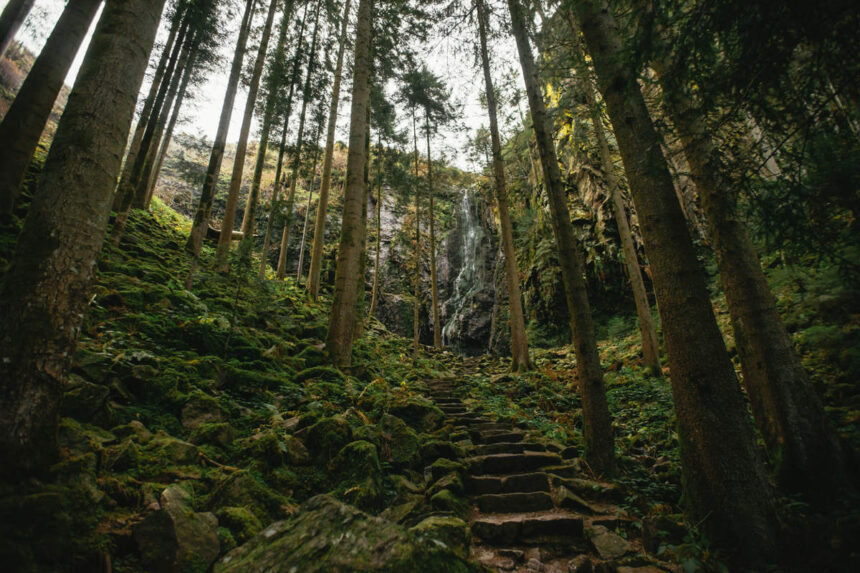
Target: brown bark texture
[
  {"x": 374, "y": 296},
  {"x": 434, "y": 288},
  {"x": 45, "y": 293},
  {"x": 725, "y": 486},
  {"x": 348, "y": 280},
  {"x": 519, "y": 342},
  {"x": 24, "y": 121},
  {"x": 597, "y": 422},
  {"x": 11, "y": 19}
]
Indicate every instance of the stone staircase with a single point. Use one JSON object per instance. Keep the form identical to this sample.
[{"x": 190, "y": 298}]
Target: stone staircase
[{"x": 531, "y": 509}]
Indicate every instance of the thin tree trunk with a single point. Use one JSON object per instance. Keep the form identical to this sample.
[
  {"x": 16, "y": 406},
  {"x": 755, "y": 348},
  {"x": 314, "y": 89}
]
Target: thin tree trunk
[
  {"x": 647, "y": 330},
  {"x": 322, "y": 206},
  {"x": 297, "y": 156},
  {"x": 434, "y": 289},
  {"x": 207, "y": 193},
  {"x": 790, "y": 416},
  {"x": 272, "y": 84},
  {"x": 225, "y": 239},
  {"x": 348, "y": 280},
  {"x": 597, "y": 421},
  {"x": 725, "y": 486},
  {"x": 24, "y": 121},
  {"x": 45, "y": 293},
  {"x": 311, "y": 181},
  {"x": 416, "y": 281},
  {"x": 276, "y": 191},
  {"x": 519, "y": 342},
  {"x": 146, "y": 112},
  {"x": 375, "y": 289},
  {"x": 13, "y": 16}
]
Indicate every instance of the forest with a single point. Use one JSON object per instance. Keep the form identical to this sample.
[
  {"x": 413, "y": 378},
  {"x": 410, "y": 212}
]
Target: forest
[{"x": 459, "y": 286}]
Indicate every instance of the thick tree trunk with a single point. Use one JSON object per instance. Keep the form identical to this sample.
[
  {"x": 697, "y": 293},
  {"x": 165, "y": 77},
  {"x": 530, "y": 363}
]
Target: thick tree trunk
[
  {"x": 207, "y": 193},
  {"x": 146, "y": 112},
  {"x": 272, "y": 84},
  {"x": 24, "y": 121},
  {"x": 348, "y": 279},
  {"x": 801, "y": 443},
  {"x": 13, "y": 16},
  {"x": 374, "y": 296},
  {"x": 519, "y": 342},
  {"x": 725, "y": 486},
  {"x": 297, "y": 155},
  {"x": 222, "y": 264},
  {"x": 45, "y": 293},
  {"x": 597, "y": 422},
  {"x": 325, "y": 185},
  {"x": 434, "y": 288},
  {"x": 647, "y": 330},
  {"x": 416, "y": 281}
]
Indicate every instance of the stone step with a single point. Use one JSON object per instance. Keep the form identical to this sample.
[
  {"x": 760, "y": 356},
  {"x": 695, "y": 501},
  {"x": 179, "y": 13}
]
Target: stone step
[
  {"x": 453, "y": 409},
  {"x": 547, "y": 526},
  {"x": 498, "y": 448},
  {"x": 501, "y": 464},
  {"x": 514, "y": 502},
  {"x": 563, "y": 470},
  {"x": 447, "y": 401},
  {"x": 498, "y": 436},
  {"x": 493, "y": 426},
  {"x": 517, "y": 483},
  {"x": 466, "y": 420}
]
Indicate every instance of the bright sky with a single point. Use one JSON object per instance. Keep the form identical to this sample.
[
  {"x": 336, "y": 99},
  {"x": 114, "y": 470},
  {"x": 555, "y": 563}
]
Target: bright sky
[{"x": 444, "y": 56}]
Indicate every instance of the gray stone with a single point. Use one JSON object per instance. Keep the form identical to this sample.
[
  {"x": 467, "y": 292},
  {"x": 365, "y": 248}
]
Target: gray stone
[{"x": 607, "y": 544}]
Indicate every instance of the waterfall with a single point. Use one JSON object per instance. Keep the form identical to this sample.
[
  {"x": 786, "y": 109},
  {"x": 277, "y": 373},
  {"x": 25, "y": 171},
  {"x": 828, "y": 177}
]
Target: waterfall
[{"x": 469, "y": 281}]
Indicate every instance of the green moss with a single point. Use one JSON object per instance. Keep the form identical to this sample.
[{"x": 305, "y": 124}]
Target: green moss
[
  {"x": 323, "y": 373},
  {"x": 241, "y": 522},
  {"x": 326, "y": 437}
]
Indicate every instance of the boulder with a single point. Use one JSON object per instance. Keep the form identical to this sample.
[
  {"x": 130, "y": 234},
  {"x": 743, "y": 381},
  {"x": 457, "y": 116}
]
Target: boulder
[
  {"x": 175, "y": 538},
  {"x": 418, "y": 412},
  {"x": 172, "y": 451},
  {"x": 84, "y": 400},
  {"x": 241, "y": 522},
  {"x": 327, "y": 535},
  {"x": 399, "y": 442},
  {"x": 608, "y": 545},
  {"x": 326, "y": 437},
  {"x": 453, "y": 532},
  {"x": 358, "y": 471},
  {"x": 217, "y": 434},
  {"x": 200, "y": 409}
]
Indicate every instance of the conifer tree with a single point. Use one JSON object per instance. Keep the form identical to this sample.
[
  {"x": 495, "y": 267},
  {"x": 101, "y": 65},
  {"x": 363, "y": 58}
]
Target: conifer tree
[{"x": 11, "y": 19}]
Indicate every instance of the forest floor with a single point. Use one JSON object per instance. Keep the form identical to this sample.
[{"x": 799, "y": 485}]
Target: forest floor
[{"x": 206, "y": 424}]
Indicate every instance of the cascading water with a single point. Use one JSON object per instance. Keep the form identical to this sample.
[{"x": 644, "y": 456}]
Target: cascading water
[{"x": 469, "y": 280}]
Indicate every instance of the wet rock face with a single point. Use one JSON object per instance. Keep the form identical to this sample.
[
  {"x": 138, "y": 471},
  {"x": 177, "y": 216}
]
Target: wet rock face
[
  {"x": 327, "y": 535},
  {"x": 466, "y": 275}
]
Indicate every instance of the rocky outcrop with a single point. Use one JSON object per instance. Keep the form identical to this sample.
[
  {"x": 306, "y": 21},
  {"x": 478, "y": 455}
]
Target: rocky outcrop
[{"x": 327, "y": 535}]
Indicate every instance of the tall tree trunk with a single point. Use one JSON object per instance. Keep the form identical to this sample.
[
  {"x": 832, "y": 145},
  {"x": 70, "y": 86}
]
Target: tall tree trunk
[
  {"x": 348, "y": 280},
  {"x": 790, "y": 416},
  {"x": 13, "y": 16},
  {"x": 725, "y": 486},
  {"x": 207, "y": 193},
  {"x": 297, "y": 155},
  {"x": 128, "y": 185},
  {"x": 272, "y": 84},
  {"x": 148, "y": 104},
  {"x": 222, "y": 264},
  {"x": 24, "y": 121},
  {"x": 168, "y": 134},
  {"x": 597, "y": 421},
  {"x": 519, "y": 342},
  {"x": 434, "y": 288},
  {"x": 325, "y": 185},
  {"x": 416, "y": 281},
  {"x": 276, "y": 190},
  {"x": 647, "y": 330},
  {"x": 374, "y": 296},
  {"x": 44, "y": 296},
  {"x": 311, "y": 181}
]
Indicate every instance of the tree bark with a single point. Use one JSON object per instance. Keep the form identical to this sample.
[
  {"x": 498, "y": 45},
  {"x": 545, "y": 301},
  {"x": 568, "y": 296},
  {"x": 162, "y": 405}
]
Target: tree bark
[
  {"x": 44, "y": 296},
  {"x": 272, "y": 84},
  {"x": 325, "y": 185},
  {"x": 597, "y": 421},
  {"x": 416, "y": 281},
  {"x": 222, "y": 264},
  {"x": 348, "y": 280},
  {"x": 725, "y": 486},
  {"x": 647, "y": 330},
  {"x": 434, "y": 289},
  {"x": 790, "y": 416},
  {"x": 374, "y": 296},
  {"x": 24, "y": 121},
  {"x": 519, "y": 342},
  {"x": 311, "y": 181},
  {"x": 207, "y": 193},
  {"x": 13, "y": 16},
  {"x": 297, "y": 155}
]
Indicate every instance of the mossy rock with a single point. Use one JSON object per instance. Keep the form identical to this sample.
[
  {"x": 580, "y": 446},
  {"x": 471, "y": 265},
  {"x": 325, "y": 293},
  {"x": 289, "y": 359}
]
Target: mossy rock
[
  {"x": 358, "y": 471},
  {"x": 218, "y": 434},
  {"x": 445, "y": 500},
  {"x": 433, "y": 449},
  {"x": 451, "y": 531},
  {"x": 444, "y": 466},
  {"x": 295, "y": 452},
  {"x": 327, "y": 535},
  {"x": 265, "y": 447},
  {"x": 451, "y": 481},
  {"x": 323, "y": 373},
  {"x": 398, "y": 442},
  {"x": 77, "y": 438},
  {"x": 200, "y": 408},
  {"x": 243, "y": 490},
  {"x": 241, "y": 522},
  {"x": 418, "y": 412},
  {"x": 326, "y": 437},
  {"x": 120, "y": 457},
  {"x": 172, "y": 451},
  {"x": 85, "y": 401},
  {"x": 312, "y": 356}
]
